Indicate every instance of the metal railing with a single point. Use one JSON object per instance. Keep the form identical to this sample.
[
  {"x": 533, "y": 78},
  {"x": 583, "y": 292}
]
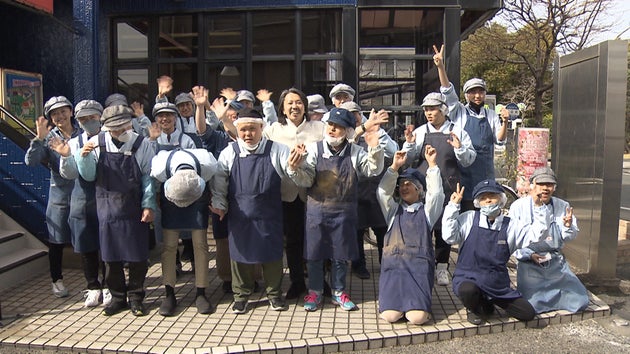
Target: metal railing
[{"x": 17, "y": 121}]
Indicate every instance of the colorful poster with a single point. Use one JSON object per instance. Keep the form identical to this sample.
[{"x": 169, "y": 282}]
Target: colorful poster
[
  {"x": 533, "y": 146},
  {"x": 22, "y": 95}
]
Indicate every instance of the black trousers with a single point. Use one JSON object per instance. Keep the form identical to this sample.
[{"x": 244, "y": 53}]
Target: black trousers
[
  {"x": 115, "y": 280},
  {"x": 442, "y": 249},
  {"x": 55, "y": 256},
  {"x": 91, "y": 264},
  {"x": 474, "y": 299},
  {"x": 294, "y": 223},
  {"x": 379, "y": 232}
]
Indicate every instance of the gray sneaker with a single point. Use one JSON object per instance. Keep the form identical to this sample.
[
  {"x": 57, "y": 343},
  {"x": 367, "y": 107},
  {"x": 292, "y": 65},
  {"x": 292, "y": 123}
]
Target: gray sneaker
[{"x": 58, "y": 289}]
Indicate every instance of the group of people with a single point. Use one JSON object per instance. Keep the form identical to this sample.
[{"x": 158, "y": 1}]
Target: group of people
[{"x": 304, "y": 182}]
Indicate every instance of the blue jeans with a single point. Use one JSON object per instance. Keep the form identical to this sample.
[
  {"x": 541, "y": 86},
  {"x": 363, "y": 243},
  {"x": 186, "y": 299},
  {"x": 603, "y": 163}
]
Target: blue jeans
[{"x": 316, "y": 275}]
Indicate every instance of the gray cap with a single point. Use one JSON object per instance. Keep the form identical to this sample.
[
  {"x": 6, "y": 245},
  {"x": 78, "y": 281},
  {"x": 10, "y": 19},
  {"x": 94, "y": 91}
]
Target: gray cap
[
  {"x": 54, "y": 103},
  {"x": 184, "y": 188},
  {"x": 184, "y": 97},
  {"x": 87, "y": 108},
  {"x": 245, "y": 95},
  {"x": 474, "y": 82},
  {"x": 116, "y": 99},
  {"x": 316, "y": 104},
  {"x": 433, "y": 99},
  {"x": 114, "y": 117},
  {"x": 341, "y": 88},
  {"x": 543, "y": 175},
  {"x": 351, "y": 106},
  {"x": 164, "y": 107}
]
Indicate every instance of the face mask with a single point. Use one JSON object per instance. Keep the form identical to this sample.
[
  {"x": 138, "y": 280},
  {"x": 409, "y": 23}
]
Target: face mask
[
  {"x": 125, "y": 136},
  {"x": 491, "y": 211},
  {"x": 334, "y": 142},
  {"x": 91, "y": 126},
  {"x": 249, "y": 147}
]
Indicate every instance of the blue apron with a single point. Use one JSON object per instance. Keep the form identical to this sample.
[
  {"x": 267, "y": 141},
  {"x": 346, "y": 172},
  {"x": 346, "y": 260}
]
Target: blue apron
[
  {"x": 408, "y": 264},
  {"x": 255, "y": 208},
  {"x": 369, "y": 210},
  {"x": 83, "y": 219},
  {"x": 482, "y": 260},
  {"x": 331, "y": 209},
  {"x": 551, "y": 285},
  {"x": 59, "y": 192},
  {"x": 192, "y": 217},
  {"x": 123, "y": 236},
  {"x": 195, "y": 138},
  {"x": 482, "y": 168}
]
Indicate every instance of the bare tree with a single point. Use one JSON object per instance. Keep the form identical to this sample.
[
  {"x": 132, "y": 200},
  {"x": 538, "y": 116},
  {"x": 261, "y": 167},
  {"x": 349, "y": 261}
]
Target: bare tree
[{"x": 544, "y": 28}]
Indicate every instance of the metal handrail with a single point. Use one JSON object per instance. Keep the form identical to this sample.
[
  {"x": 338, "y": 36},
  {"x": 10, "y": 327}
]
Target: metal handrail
[{"x": 17, "y": 120}]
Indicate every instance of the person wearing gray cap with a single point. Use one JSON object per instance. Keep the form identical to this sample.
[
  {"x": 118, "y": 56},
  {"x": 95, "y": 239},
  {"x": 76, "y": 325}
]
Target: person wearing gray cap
[
  {"x": 482, "y": 124},
  {"x": 58, "y": 113},
  {"x": 333, "y": 167},
  {"x": 119, "y": 161},
  {"x": 184, "y": 200},
  {"x": 455, "y": 151},
  {"x": 247, "y": 100},
  {"x": 486, "y": 240},
  {"x": 141, "y": 123},
  {"x": 339, "y": 94},
  {"x": 316, "y": 107},
  {"x": 543, "y": 274},
  {"x": 83, "y": 217}
]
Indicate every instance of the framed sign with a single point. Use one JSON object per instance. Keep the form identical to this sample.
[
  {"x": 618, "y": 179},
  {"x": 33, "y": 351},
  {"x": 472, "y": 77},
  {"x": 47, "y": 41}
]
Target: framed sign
[
  {"x": 532, "y": 149},
  {"x": 21, "y": 94}
]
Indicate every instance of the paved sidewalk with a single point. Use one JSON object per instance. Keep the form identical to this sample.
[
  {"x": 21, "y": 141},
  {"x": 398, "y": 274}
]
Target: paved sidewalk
[{"x": 50, "y": 323}]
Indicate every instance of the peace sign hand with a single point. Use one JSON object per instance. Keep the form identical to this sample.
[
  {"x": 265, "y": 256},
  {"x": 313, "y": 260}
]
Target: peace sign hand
[
  {"x": 458, "y": 195},
  {"x": 568, "y": 217},
  {"x": 438, "y": 57}
]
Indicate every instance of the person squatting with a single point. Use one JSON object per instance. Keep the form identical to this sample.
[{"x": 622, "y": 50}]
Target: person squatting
[{"x": 281, "y": 183}]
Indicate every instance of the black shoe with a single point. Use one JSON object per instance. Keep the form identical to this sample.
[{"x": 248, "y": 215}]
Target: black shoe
[
  {"x": 204, "y": 306},
  {"x": 327, "y": 290},
  {"x": 256, "y": 287},
  {"x": 473, "y": 318},
  {"x": 137, "y": 308},
  {"x": 277, "y": 304},
  {"x": 239, "y": 307},
  {"x": 178, "y": 269},
  {"x": 361, "y": 272},
  {"x": 487, "y": 309},
  {"x": 167, "y": 308},
  {"x": 115, "y": 307},
  {"x": 227, "y": 287},
  {"x": 295, "y": 290},
  {"x": 187, "y": 254}
]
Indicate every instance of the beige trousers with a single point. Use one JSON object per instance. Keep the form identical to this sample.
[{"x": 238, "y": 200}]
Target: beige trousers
[{"x": 169, "y": 251}]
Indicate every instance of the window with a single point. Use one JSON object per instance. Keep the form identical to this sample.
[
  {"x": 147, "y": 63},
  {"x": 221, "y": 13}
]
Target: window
[
  {"x": 178, "y": 36},
  {"x": 225, "y": 35},
  {"x": 133, "y": 83},
  {"x": 321, "y": 31},
  {"x": 273, "y": 32},
  {"x": 131, "y": 39}
]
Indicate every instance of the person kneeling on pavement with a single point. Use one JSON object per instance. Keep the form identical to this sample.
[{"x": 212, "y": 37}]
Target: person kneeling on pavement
[{"x": 184, "y": 201}]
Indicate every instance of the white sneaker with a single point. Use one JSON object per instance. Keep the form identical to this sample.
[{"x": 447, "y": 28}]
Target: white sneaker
[
  {"x": 441, "y": 273},
  {"x": 92, "y": 297},
  {"x": 107, "y": 297},
  {"x": 58, "y": 289}
]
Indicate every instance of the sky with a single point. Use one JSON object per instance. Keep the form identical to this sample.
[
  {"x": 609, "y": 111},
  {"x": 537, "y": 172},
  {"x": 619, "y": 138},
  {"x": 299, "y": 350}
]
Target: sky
[{"x": 619, "y": 20}]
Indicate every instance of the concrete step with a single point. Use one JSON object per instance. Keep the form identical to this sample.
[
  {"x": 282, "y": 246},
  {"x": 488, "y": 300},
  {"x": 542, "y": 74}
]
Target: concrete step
[
  {"x": 21, "y": 257},
  {"x": 11, "y": 241}
]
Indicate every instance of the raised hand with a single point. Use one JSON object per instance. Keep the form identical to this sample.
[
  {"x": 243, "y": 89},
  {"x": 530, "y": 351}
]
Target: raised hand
[
  {"x": 165, "y": 85},
  {"x": 87, "y": 148},
  {"x": 410, "y": 137},
  {"x": 376, "y": 119},
  {"x": 296, "y": 156},
  {"x": 438, "y": 57},
  {"x": 228, "y": 93},
  {"x": 42, "y": 127},
  {"x": 454, "y": 141},
  {"x": 138, "y": 109},
  {"x": 567, "y": 219},
  {"x": 60, "y": 146},
  {"x": 430, "y": 154},
  {"x": 458, "y": 195},
  {"x": 200, "y": 96},
  {"x": 263, "y": 95},
  {"x": 400, "y": 157},
  {"x": 219, "y": 107},
  {"x": 154, "y": 131}
]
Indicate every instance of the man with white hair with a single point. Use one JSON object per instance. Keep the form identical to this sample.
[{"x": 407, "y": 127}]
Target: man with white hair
[
  {"x": 247, "y": 189},
  {"x": 119, "y": 161},
  {"x": 454, "y": 150},
  {"x": 339, "y": 94},
  {"x": 486, "y": 240},
  {"x": 544, "y": 276}
]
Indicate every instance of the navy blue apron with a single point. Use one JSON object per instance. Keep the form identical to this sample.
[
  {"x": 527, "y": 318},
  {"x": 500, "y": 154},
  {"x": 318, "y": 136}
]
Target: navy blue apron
[
  {"x": 83, "y": 219},
  {"x": 255, "y": 208},
  {"x": 331, "y": 209},
  {"x": 119, "y": 205},
  {"x": 59, "y": 192},
  {"x": 446, "y": 160},
  {"x": 195, "y": 138},
  {"x": 192, "y": 217},
  {"x": 482, "y": 260},
  {"x": 482, "y": 168},
  {"x": 370, "y": 214},
  {"x": 408, "y": 264}
]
